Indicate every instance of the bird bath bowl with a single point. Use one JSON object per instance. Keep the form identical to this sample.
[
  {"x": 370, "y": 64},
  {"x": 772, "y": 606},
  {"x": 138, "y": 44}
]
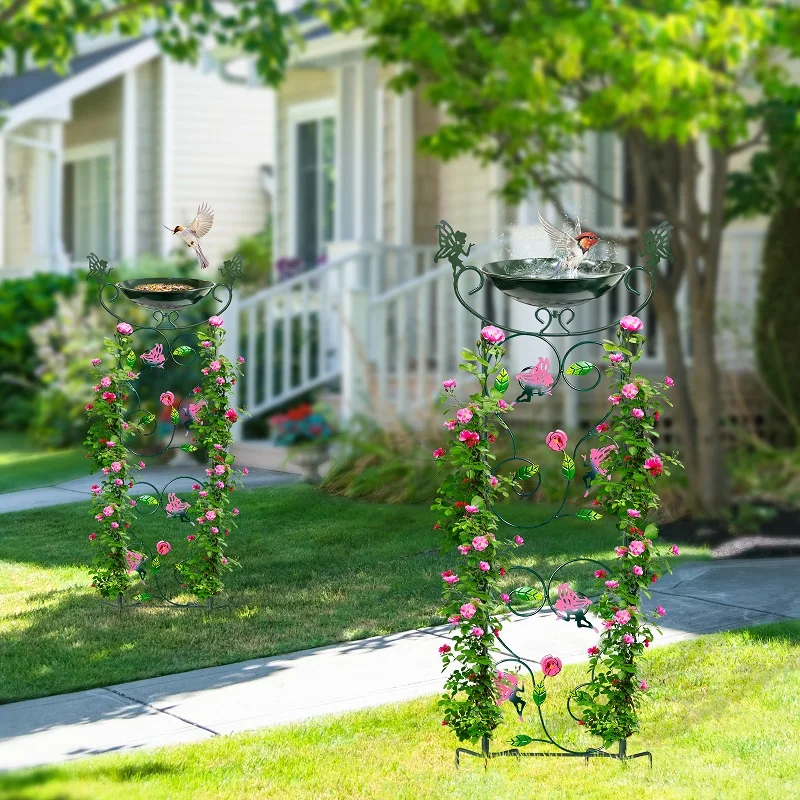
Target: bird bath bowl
[
  {"x": 530, "y": 281},
  {"x": 165, "y": 293}
]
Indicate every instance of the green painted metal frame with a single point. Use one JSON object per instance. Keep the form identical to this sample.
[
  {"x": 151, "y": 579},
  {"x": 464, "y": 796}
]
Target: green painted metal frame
[{"x": 554, "y": 324}]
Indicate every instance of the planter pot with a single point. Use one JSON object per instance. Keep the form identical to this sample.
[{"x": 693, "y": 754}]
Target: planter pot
[{"x": 309, "y": 459}]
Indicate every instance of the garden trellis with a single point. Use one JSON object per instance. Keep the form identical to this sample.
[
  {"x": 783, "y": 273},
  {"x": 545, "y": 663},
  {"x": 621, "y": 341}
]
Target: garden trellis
[
  {"x": 484, "y": 671},
  {"x": 126, "y": 567}
]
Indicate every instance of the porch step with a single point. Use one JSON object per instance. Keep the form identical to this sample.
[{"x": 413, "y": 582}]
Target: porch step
[{"x": 263, "y": 454}]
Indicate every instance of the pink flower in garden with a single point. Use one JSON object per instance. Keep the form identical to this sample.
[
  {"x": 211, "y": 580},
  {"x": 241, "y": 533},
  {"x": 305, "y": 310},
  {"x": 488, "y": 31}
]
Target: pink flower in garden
[
  {"x": 220, "y": 381},
  {"x": 504, "y": 597},
  {"x": 95, "y": 362},
  {"x": 245, "y": 471},
  {"x": 96, "y": 489},
  {"x": 220, "y": 469},
  {"x": 449, "y": 384},
  {"x": 492, "y": 334},
  {"x": 675, "y": 550},
  {"x": 195, "y": 486},
  {"x": 205, "y": 343},
  {"x": 669, "y": 381},
  {"x": 445, "y": 648},
  {"x": 630, "y": 323},
  {"x": 637, "y": 413},
  {"x": 621, "y": 551},
  {"x": 88, "y": 406},
  {"x": 494, "y": 480},
  {"x": 132, "y": 503},
  {"x": 627, "y": 638},
  {"x": 615, "y": 358},
  {"x": 201, "y": 520},
  {"x": 223, "y": 560},
  {"x": 654, "y": 466},
  {"x": 125, "y": 426},
  {"x": 614, "y": 399},
  {"x": 556, "y": 440},
  {"x": 92, "y": 537},
  {"x": 470, "y": 438},
  {"x": 602, "y": 427},
  {"x": 438, "y": 452},
  {"x": 96, "y": 388},
  {"x": 209, "y": 472},
  {"x": 454, "y": 620},
  {"x": 471, "y": 509},
  {"x": 519, "y": 540},
  {"x": 215, "y": 530},
  {"x": 464, "y": 549},
  {"x": 468, "y": 610},
  {"x": 551, "y": 665},
  {"x": 612, "y": 584},
  {"x": 503, "y": 405},
  {"x": 162, "y": 547},
  {"x": 448, "y": 576},
  {"x": 111, "y": 443},
  {"x": 99, "y": 517},
  {"x": 231, "y": 415},
  {"x": 203, "y": 493},
  {"x": 105, "y": 381},
  {"x": 449, "y": 424},
  {"x": 116, "y": 466},
  {"x": 204, "y": 370},
  {"x": 215, "y": 366},
  {"x": 115, "y": 525},
  {"x": 632, "y": 512},
  {"x": 210, "y": 515},
  {"x": 220, "y": 485},
  {"x": 167, "y": 398},
  {"x": 637, "y": 547},
  {"x": 484, "y": 566},
  {"x": 643, "y": 686},
  {"x": 608, "y": 624},
  {"x": 124, "y": 328},
  {"x": 660, "y": 611},
  {"x": 191, "y": 537},
  {"x": 480, "y": 543},
  {"x": 622, "y": 617},
  {"x": 593, "y": 650},
  {"x": 600, "y": 573},
  {"x": 118, "y": 482},
  {"x": 464, "y": 415},
  {"x": 109, "y": 397},
  {"x": 630, "y": 390},
  {"x": 476, "y": 631},
  {"x": 236, "y": 512},
  {"x": 637, "y": 570},
  {"x": 215, "y": 322}
]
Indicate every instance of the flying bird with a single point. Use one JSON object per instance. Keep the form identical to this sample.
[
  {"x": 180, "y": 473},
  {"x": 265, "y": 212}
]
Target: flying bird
[
  {"x": 570, "y": 248},
  {"x": 196, "y": 230}
]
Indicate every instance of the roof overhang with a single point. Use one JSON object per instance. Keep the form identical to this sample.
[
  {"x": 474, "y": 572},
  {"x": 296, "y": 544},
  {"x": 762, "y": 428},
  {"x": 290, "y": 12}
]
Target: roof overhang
[
  {"x": 324, "y": 48},
  {"x": 50, "y": 103}
]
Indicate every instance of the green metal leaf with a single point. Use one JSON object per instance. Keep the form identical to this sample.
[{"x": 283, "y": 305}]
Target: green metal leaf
[
  {"x": 501, "y": 381},
  {"x": 143, "y": 597},
  {"x": 520, "y": 740},
  {"x": 539, "y": 693},
  {"x": 130, "y": 359},
  {"x": 528, "y": 471},
  {"x": 580, "y": 368},
  {"x": 174, "y": 416},
  {"x": 183, "y": 350},
  {"x": 527, "y": 593},
  {"x": 588, "y": 514},
  {"x": 148, "y": 419},
  {"x": 188, "y": 448},
  {"x": 568, "y": 468},
  {"x": 148, "y": 500}
]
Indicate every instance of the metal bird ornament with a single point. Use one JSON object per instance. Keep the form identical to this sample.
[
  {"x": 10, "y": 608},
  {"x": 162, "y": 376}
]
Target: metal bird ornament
[
  {"x": 195, "y": 231},
  {"x": 569, "y": 248}
]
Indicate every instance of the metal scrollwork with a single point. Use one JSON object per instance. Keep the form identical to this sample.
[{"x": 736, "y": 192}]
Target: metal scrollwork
[{"x": 534, "y": 592}]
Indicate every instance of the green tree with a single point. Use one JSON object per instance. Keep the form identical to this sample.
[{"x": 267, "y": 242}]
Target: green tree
[
  {"x": 45, "y": 32},
  {"x": 524, "y": 81},
  {"x": 772, "y": 186}
]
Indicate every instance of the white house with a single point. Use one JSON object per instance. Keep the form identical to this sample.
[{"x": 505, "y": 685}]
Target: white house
[{"x": 97, "y": 159}]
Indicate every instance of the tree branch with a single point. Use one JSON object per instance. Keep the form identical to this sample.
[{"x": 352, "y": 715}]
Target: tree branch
[
  {"x": 9, "y": 12},
  {"x": 747, "y": 144}
]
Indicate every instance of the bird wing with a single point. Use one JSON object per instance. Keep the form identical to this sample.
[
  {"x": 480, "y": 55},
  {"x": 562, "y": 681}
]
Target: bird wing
[
  {"x": 561, "y": 240},
  {"x": 202, "y": 222}
]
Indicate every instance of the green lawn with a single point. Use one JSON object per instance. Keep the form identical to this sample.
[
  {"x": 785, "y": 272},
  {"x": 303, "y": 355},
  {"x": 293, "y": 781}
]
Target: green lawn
[
  {"x": 721, "y": 722},
  {"x": 25, "y": 466},
  {"x": 315, "y": 570}
]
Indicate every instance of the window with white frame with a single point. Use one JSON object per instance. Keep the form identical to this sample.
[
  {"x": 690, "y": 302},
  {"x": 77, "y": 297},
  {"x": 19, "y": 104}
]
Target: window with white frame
[
  {"x": 312, "y": 153},
  {"x": 88, "y": 223}
]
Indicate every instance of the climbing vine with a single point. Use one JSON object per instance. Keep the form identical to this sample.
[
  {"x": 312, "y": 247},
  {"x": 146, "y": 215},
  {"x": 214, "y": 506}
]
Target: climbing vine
[
  {"x": 625, "y": 488},
  {"x": 468, "y": 528}
]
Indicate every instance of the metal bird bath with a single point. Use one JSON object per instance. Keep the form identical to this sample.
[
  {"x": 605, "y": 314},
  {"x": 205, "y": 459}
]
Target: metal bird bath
[
  {"x": 167, "y": 298},
  {"x": 530, "y": 281}
]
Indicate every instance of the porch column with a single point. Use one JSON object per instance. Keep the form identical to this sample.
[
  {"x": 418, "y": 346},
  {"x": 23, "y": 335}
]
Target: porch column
[
  {"x": 346, "y": 151},
  {"x": 404, "y": 167},
  {"x": 129, "y": 166},
  {"x": 56, "y": 212},
  {"x": 2, "y": 200},
  {"x": 366, "y": 161}
]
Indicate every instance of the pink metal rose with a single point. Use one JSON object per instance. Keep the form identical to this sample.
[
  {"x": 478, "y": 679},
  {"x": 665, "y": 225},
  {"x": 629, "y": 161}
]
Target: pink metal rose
[
  {"x": 630, "y": 323},
  {"x": 167, "y": 398},
  {"x": 162, "y": 548},
  {"x": 493, "y": 334},
  {"x": 556, "y": 440},
  {"x": 551, "y": 665}
]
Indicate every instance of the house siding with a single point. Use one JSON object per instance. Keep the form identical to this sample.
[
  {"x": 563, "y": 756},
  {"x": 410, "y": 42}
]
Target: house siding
[
  {"x": 464, "y": 193},
  {"x": 427, "y": 175},
  {"x": 18, "y": 217},
  {"x": 389, "y": 232},
  {"x": 221, "y": 137},
  {"x": 97, "y": 117},
  {"x": 299, "y": 86}
]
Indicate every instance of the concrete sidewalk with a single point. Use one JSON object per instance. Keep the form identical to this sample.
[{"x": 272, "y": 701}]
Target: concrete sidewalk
[
  {"x": 699, "y": 598},
  {"x": 79, "y": 489}
]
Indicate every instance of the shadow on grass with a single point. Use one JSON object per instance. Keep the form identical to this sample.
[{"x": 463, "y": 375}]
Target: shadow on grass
[{"x": 784, "y": 632}]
